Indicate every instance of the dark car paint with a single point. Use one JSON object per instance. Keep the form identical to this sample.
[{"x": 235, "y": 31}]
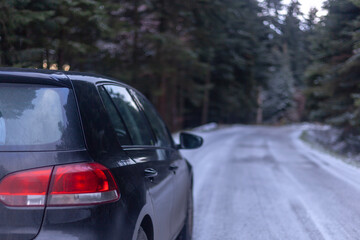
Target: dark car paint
[
  {"x": 171, "y": 160},
  {"x": 162, "y": 198},
  {"x": 24, "y": 223}
]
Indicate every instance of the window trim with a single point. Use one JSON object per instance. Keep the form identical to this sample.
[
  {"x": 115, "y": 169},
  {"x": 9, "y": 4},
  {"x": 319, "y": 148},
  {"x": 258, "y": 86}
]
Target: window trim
[{"x": 134, "y": 147}]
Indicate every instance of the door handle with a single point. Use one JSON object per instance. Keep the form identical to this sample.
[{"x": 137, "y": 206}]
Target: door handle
[
  {"x": 150, "y": 173},
  {"x": 173, "y": 167}
]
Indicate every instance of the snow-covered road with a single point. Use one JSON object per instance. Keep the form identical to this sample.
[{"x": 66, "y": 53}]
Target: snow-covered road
[{"x": 258, "y": 183}]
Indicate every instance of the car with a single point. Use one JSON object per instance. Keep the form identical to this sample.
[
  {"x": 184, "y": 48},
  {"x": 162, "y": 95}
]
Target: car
[{"x": 87, "y": 157}]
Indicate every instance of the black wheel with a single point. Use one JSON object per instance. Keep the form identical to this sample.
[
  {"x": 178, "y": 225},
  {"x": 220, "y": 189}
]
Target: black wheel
[
  {"x": 186, "y": 232},
  {"x": 141, "y": 235}
]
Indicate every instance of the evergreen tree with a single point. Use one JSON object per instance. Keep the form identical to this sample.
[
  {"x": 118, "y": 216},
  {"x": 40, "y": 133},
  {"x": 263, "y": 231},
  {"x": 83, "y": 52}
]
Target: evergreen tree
[
  {"x": 197, "y": 61},
  {"x": 289, "y": 61},
  {"x": 293, "y": 40},
  {"x": 333, "y": 75},
  {"x": 22, "y": 33},
  {"x": 281, "y": 88}
]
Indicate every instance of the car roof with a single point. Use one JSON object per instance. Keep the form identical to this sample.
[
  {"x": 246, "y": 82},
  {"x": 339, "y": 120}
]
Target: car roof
[{"x": 53, "y": 77}]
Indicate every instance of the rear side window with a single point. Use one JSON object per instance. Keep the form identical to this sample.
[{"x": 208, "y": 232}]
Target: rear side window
[
  {"x": 118, "y": 125},
  {"x": 38, "y": 118},
  {"x": 158, "y": 126},
  {"x": 135, "y": 122}
]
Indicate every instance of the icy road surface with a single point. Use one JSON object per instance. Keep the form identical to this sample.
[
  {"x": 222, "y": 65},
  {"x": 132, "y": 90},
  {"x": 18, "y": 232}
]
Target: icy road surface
[{"x": 258, "y": 183}]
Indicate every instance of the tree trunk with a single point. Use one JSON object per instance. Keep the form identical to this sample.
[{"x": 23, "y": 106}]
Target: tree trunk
[
  {"x": 135, "y": 42},
  {"x": 259, "y": 113},
  {"x": 47, "y": 58},
  {"x": 5, "y": 50},
  {"x": 60, "y": 50},
  {"x": 181, "y": 106},
  {"x": 163, "y": 80},
  {"x": 205, "y": 110},
  {"x": 173, "y": 104},
  {"x": 163, "y": 17},
  {"x": 163, "y": 99}
]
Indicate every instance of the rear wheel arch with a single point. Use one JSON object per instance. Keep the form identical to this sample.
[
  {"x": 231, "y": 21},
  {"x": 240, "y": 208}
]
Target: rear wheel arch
[
  {"x": 145, "y": 220},
  {"x": 148, "y": 227},
  {"x": 190, "y": 172}
]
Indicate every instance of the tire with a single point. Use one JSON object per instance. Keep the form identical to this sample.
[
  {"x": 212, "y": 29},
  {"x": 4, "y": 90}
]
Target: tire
[
  {"x": 141, "y": 234},
  {"x": 186, "y": 232}
]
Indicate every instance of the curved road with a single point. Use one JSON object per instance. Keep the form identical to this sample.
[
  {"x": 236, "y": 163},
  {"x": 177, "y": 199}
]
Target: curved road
[{"x": 258, "y": 183}]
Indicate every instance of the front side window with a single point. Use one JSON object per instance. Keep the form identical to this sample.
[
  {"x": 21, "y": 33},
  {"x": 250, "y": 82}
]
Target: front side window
[
  {"x": 36, "y": 117},
  {"x": 133, "y": 119}
]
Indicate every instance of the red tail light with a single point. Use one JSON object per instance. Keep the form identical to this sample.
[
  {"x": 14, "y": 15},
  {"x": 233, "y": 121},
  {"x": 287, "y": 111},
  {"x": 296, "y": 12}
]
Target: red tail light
[
  {"x": 73, "y": 184},
  {"x": 27, "y": 188},
  {"x": 82, "y": 183}
]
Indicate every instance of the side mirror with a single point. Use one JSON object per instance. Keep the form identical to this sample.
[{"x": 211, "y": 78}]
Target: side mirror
[{"x": 189, "y": 141}]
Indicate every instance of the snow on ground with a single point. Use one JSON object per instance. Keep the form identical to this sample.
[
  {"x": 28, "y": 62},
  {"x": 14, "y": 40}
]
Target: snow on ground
[
  {"x": 265, "y": 183},
  {"x": 337, "y": 140},
  {"x": 206, "y": 127}
]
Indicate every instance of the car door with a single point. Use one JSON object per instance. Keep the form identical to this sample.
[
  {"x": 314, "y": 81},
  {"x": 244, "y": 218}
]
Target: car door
[
  {"x": 178, "y": 165},
  {"x": 153, "y": 162}
]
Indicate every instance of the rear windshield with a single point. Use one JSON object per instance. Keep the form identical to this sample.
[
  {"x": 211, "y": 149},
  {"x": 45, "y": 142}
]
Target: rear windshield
[{"x": 38, "y": 118}]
